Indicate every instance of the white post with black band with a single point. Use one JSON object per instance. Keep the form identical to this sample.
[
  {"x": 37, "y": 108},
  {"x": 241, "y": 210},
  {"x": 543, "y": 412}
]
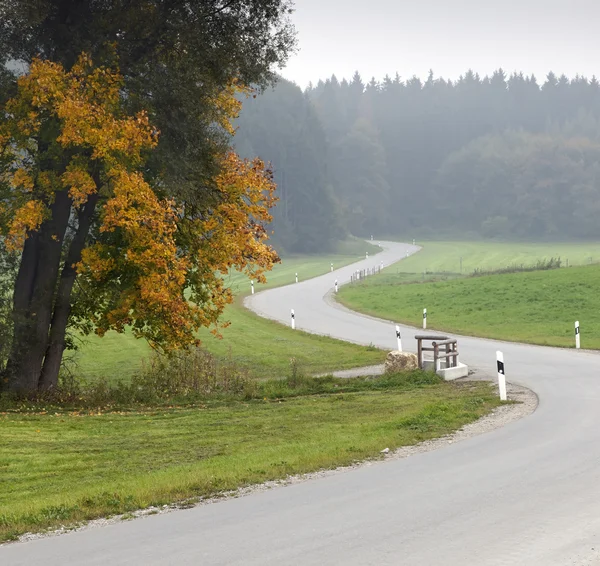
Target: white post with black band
[
  {"x": 501, "y": 375},
  {"x": 399, "y": 338},
  {"x": 336, "y": 286},
  {"x": 252, "y": 284},
  {"x": 293, "y": 320},
  {"x": 424, "y": 319},
  {"x": 577, "y": 335}
]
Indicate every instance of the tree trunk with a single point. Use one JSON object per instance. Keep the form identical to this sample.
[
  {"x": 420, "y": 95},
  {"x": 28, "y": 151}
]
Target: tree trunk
[
  {"x": 21, "y": 298},
  {"x": 33, "y": 304},
  {"x": 62, "y": 305}
]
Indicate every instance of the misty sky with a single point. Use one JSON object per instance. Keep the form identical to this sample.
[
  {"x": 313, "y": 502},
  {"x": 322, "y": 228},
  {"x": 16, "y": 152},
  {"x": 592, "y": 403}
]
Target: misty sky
[{"x": 411, "y": 36}]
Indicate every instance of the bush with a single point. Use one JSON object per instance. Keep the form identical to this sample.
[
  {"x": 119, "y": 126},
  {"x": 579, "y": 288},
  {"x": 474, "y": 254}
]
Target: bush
[
  {"x": 185, "y": 377},
  {"x": 540, "y": 265},
  {"x": 194, "y": 372}
]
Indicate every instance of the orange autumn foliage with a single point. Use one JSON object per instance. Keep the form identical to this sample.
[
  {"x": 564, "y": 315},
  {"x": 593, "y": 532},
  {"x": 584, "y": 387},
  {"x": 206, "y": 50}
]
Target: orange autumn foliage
[
  {"x": 147, "y": 254},
  {"x": 94, "y": 136}
]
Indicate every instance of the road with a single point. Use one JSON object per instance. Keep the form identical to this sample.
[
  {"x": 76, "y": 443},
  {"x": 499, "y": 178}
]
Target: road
[{"x": 526, "y": 494}]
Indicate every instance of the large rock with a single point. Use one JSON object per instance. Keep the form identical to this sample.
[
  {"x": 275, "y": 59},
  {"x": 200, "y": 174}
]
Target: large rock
[{"x": 400, "y": 361}]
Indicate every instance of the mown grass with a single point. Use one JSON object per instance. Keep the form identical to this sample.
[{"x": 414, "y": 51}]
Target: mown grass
[
  {"x": 264, "y": 345},
  {"x": 538, "y": 307},
  {"x": 60, "y": 468}
]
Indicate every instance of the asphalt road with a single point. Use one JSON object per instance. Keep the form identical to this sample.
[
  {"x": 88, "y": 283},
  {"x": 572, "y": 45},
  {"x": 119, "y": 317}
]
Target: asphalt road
[{"x": 527, "y": 494}]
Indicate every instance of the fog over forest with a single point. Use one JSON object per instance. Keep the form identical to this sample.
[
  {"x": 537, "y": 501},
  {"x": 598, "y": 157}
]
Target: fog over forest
[{"x": 500, "y": 156}]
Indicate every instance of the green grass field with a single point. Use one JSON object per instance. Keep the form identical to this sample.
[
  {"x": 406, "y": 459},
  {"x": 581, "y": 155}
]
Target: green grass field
[
  {"x": 263, "y": 346},
  {"x": 537, "y": 307},
  {"x": 445, "y": 256},
  {"x": 266, "y": 349},
  {"x": 58, "y": 468}
]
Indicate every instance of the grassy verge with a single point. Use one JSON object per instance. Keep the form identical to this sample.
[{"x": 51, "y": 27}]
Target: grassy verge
[
  {"x": 261, "y": 344},
  {"x": 537, "y": 307},
  {"x": 61, "y": 467}
]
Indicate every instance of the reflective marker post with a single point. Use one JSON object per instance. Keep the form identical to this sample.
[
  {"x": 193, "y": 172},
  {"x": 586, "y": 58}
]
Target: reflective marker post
[
  {"x": 296, "y": 278},
  {"x": 501, "y": 375},
  {"x": 577, "y": 335},
  {"x": 336, "y": 286},
  {"x": 293, "y": 320},
  {"x": 424, "y": 319},
  {"x": 252, "y": 283},
  {"x": 399, "y": 338}
]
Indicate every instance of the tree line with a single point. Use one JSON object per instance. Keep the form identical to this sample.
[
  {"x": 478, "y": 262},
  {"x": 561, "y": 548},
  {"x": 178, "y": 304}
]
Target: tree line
[{"x": 496, "y": 156}]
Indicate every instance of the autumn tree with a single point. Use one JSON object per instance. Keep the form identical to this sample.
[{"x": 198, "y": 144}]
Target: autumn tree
[
  {"x": 176, "y": 58},
  {"x": 75, "y": 188}
]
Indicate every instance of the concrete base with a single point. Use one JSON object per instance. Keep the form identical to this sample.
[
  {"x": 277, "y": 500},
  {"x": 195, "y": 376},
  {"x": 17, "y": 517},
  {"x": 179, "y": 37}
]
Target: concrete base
[{"x": 461, "y": 370}]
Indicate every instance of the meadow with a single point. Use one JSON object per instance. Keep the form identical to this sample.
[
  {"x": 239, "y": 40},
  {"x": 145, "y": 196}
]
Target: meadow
[
  {"x": 263, "y": 346},
  {"x": 538, "y": 307},
  {"x": 439, "y": 257}
]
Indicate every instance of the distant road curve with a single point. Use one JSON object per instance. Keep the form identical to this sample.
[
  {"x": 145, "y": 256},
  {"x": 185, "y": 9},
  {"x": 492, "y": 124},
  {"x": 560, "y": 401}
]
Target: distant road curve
[{"x": 527, "y": 494}]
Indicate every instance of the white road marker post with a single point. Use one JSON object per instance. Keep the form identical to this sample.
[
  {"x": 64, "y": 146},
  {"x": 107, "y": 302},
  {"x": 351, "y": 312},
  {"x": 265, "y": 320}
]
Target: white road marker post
[
  {"x": 424, "y": 319},
  {"x": 413, "y": 241},
  {"x": 293, "y": 320},
  {"x": 399, "y": 338},
  {"x": 407, "y": 253},
  {"x": 332, "y": 267},
  {"x": 296, "y": 278},
  {"x": 367, "y": 255},
  {"x": 371, "y": 237},
  {"x": 252, "y": 284},
  {"x": 501, "y": 375},
  {"x": 381, "y": 264},
  {"x": 577, "y": 335},
  {"x": 336, "y": 286}
]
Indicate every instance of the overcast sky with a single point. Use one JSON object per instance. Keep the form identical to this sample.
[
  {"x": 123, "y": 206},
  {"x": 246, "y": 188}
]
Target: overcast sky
[{"x": 449, "y": 36}]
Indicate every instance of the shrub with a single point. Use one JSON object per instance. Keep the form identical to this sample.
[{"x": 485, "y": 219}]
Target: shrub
[{"x": 539, "y": 265}]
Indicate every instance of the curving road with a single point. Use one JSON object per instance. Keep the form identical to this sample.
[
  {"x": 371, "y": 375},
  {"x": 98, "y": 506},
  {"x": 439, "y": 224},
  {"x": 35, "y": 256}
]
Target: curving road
[{"x": 527, "y": 494}]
